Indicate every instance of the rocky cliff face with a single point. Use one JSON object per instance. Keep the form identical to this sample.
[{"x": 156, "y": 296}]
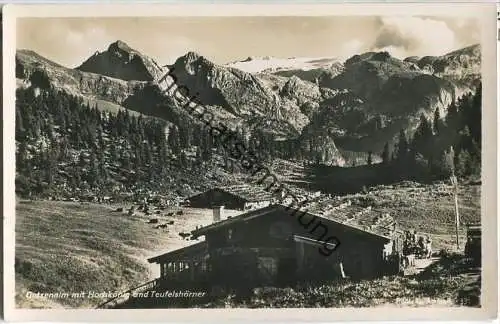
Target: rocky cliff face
[
  {"x": 367, "y": 73},
  {"x": 385, "y": 95},
  {"x": 462, "y": 67},
  {"x": 459, "y": 63},
  {"x": 122, "y": 62},
  {"x": 73, "y": 81},
  {"x": 239, "y": 92}
]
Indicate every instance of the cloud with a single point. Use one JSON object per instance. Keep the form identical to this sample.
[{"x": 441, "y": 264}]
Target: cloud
[
  {"x": 70, "y": 41},
  {"x": 408, "y": 36},
  {"x": 350, "y": 48},
  {"x": 177, "y": 46},
  {"x": 84, "y": 43},
  {"x": 66, "y": 44},
  {"x": 466, "y": 30}
]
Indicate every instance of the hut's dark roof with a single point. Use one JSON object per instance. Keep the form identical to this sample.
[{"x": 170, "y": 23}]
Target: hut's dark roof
[
  {"x": 371, "y": 223},
  {"x": 248, "y": 193},
  {"x": 366, "y": 218},
  {"x": 188, "y": 252}
]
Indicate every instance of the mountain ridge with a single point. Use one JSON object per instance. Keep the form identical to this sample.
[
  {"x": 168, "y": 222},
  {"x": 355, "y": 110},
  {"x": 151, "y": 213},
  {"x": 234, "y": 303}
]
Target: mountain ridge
[{"x": 345, "y": 103}]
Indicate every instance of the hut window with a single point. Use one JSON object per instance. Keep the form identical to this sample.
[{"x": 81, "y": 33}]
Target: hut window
[
  {"x": 268, "y": 265},
  {"x": 204, "y": 266}
]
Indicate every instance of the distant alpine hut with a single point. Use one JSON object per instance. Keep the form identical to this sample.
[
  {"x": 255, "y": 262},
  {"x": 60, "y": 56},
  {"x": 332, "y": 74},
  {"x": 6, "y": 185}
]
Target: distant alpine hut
[
  {"x": 234, "y": 197},
  {"x": 280, "y": 246}
]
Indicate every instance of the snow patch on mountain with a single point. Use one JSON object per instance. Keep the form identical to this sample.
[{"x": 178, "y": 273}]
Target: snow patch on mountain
[{"x": 271, "y": 64}]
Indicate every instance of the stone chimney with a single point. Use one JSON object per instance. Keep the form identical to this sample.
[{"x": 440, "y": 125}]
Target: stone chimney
[{"x": 218, "y": 213}]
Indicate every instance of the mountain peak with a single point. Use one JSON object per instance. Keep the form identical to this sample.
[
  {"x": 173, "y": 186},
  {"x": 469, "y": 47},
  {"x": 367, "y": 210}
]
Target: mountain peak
[
  {"x": 189, "y": 59},
  {"x": 122, "y": 62},
  {"x": 120, "y": 45},
  {"x": 192, "y": 56}
]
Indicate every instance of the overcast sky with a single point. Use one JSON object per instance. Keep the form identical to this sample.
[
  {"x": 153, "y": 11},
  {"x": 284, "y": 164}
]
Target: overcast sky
[{"x": 69, "y": 41}]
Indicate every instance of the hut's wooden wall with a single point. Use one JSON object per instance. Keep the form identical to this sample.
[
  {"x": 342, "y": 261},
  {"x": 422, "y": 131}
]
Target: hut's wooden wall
[{"x": 263, "y": 248}]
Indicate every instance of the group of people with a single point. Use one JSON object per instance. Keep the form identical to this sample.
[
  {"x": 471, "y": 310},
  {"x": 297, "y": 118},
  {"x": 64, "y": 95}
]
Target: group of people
[{"x": 417, "y": 245}]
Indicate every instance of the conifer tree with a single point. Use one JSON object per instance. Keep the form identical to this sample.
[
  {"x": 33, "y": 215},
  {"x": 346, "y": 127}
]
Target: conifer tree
[
  {"x": 402, "y": 147},
  {"x": 386, "y": 154},
  {"x": 422, "y": 139},
  {"x": 476, "y": 115},
  {"x": 437, "y": 122},
  {"x": 463, "y": 163},
  {"x": 452, "y": 114}
]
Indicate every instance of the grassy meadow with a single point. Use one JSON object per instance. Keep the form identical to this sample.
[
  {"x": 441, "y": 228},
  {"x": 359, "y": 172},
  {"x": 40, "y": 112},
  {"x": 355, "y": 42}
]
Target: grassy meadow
[
  {"x": 430, "y": 209},
  {"x": 73, "y": 247}
]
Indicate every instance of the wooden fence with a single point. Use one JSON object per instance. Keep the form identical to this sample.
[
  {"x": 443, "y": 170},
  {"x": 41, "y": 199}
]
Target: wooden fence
[{"x": 125, "y": 296}]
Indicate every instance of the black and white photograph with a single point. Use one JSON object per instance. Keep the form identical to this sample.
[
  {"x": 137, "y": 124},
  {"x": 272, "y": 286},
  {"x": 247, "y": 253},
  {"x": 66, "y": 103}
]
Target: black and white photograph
[{"x": 241, "y": 161}]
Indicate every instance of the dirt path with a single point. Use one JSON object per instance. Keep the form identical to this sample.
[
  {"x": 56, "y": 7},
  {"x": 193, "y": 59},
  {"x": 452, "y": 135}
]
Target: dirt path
[{"x": 420, "y": 265}]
